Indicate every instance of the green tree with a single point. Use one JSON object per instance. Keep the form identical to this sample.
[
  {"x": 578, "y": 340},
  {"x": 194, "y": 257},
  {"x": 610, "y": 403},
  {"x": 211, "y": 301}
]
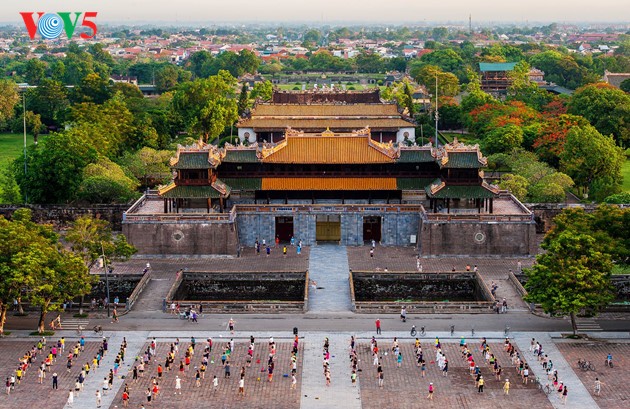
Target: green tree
[
  {"x": 55, "y": 167},
  {"x": 448, "y": 84},
  {"x": 166, "y": 78},
  {"x": 8, "y": 99},
  {"x": 263, "y": 90},
  {"x": 49, "y": 99},
  {"x": 243, "y": 100},
  {"x": 606, "y": 108},
  {"x": 589, "y": 155},
  {"x": 523, "y": 89},
  {"x": 92, "y": 88},
  {"x": 34, "y": 71},
  {"x": 148, "y": 165},
  {"x": 625, "y": 85},
  {"x": 9, "y": 189},
  {"x": 369, "y": 62},
  {"x": 207, "y": 106},
  {"x": 570, "y": 276},
  {"x": 106, "y": 182},
  {"x": 516, "y": 184},
  {"x": 504, "y": 139},
  {"x": 89, "y": 238},
  {"x": 619, "y": 198}
]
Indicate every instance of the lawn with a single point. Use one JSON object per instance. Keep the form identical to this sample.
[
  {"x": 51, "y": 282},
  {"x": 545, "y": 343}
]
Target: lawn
[
  {"x": 12, "y": 145},
  {"x": 625, "y": 172}
]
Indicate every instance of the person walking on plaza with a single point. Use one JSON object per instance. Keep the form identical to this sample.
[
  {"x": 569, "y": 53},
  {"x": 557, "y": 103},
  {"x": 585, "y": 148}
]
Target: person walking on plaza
[
  {"x": 378, "y": 326},
  {"x": 241, "y": 386},
  {"x": 598, "y": 386},
  {"x": 564, "y": 395},
  {"x": 178, "y": 385},
  {"x": 431, "y": 390},
  {"x": 98, "y": 398},
  {"x": 506, "y": 387},
  {"x": 55, "y": 384},
  {"x": 70, "y": 398}
]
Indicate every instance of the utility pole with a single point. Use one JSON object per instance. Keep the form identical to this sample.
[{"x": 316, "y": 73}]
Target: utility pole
[
  {"x": 437, "y": 115},
  {"x": 24, "y": 122},
  {"x": 106, "y": 277}
]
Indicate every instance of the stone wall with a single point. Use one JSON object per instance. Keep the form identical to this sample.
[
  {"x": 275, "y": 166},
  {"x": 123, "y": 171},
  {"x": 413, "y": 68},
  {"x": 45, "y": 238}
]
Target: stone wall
[
  {"x": 242, "y": 287},
  {"x": 396, "y": 228},
  {"x": 63, "y": 215},
  {"x": 185, "y": 238},
  {"x": 409, "y": 287},
  {"x": 476, "y": 238}
]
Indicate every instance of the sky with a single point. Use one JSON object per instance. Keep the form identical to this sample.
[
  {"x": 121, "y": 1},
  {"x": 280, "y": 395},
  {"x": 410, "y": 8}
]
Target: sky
[{"x": 329, "y": 11}]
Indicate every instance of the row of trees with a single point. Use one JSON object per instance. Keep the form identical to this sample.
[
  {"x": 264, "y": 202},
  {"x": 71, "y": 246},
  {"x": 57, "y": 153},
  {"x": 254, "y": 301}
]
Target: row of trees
[
  {"x": 35, "y": 267},
  {"x": 573, "y": 273}
]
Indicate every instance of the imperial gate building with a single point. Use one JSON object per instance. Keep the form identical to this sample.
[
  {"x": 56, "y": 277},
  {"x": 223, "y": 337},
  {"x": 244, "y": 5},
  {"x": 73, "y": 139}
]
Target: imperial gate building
[{"x": 311, "y": 167}]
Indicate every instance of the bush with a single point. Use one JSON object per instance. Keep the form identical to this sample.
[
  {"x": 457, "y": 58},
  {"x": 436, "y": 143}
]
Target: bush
[
  {"x": 43, "y": 334},
  {"x": 379, "y": 83},
  {"x": 77, "y": 315},
  {"x": 351, "y": 88},
  {"x": 619, "y": 198},
  {"x": 296, "y": 88}
]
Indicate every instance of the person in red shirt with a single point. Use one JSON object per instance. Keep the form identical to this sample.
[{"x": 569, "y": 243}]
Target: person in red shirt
[
  {"x": 125, "y": 399},
  {"x": 378, "y": 326}
]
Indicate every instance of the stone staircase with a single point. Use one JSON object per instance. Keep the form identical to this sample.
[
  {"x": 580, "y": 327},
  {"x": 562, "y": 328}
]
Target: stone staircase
[
  {"x": 328, "y": 266},
  {"x": 152, "y": 296}
]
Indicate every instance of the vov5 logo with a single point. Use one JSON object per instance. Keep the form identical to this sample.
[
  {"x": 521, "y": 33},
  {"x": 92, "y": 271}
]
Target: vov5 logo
[{"x": 50, "y": 25}]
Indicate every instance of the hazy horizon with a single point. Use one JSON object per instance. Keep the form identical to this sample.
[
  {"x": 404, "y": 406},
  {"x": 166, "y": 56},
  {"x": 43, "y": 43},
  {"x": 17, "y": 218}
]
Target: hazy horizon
[{"x": 201, "y": 12}]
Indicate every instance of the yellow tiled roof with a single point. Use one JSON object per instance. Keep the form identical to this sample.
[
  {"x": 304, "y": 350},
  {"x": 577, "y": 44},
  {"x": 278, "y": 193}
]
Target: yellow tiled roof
[
  {"x": 329, "y": 184},
  {"x": 324, "y": 122},
  {"x": 334, "y": 110},
  {"x": 329, "y": 150}
]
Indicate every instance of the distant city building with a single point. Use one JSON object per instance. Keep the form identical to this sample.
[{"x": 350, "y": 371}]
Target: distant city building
[{"x": 495, "y": 77}]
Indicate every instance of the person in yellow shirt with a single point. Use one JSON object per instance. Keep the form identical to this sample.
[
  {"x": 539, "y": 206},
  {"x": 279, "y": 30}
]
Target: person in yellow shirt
[
  {"x": 18, "y": 374},
  {"x": 480, "y": 383},
  {"x": 506, "y": 387}
]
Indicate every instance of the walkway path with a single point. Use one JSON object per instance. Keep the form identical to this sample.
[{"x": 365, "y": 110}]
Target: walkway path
[
  {"x": 94, "y": 381},
  {"x": 578, "y": 397},
  {"x": 505, "y": 289},
  {"x": 152, "y": 296},
  {"x": 328, "y": 266},
  {"x": 340, "y": 393}
]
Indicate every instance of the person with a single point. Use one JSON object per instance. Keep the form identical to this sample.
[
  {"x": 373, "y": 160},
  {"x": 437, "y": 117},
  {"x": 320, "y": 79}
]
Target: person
[
  {"x": 70, "y": 397},
  {"x": 519, "y": 267},
  {"x": 114, "y": 315},
  {"x": 418, "y": 265},
  {"x": 178, "y": 385},
  {"x": 231, "y": 325},
  {"x": 431, "y": 390},
  {"x": 293, "y": 381},
  {"x": 149, "y": 395},
  {"x": 268, "y": 250},
  {"x": 598, "y": 386},
  {"x": 55, "y": 384},
  {"x": 480, "y": 385},
  {"x": 241, "y": 386},
  {"x": 215, "y": 383},
  {"x": 98, "y": 398},
  {"x": 373, "y": 243},
  {"x": 372, "y": 252},
  {"x": 378, "y": 326},
  {"x": 284, "y": 251},
  {"x": 403, "y": 314},
  {"x": 506, "y": 387},
  {"x": 564, "y": 395},
  {"x": 125, "y": 399},
  {"x": 609, "y": 360}
]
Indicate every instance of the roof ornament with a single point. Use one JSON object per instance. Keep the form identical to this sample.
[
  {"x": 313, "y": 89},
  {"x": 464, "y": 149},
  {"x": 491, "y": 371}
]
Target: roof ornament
[{"x": 328, "y": 132}]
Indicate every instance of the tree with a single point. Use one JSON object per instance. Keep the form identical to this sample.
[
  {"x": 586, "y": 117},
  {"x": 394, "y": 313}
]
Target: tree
[
  {"x": 166, "y": 78},
  {"x": 561, "y": 69},
  {"x": 89, "y": 238},
  {"x": 92, "y": 88},
  {"x": 206, "y": 106},
  {"x": 243, "y": 100},
  {"x": 49, "y": 100},
  {"x": 550, "y": 189},
  {"x": 516, "y": 184},
  {"x": 606, "y": 108},
  {"x": 55, "y": 167},
  {"x": 619, "y": 198},
  {"x": 263, "y": 90},
  {"x": 625, "y": 85},
  {"x": 8, "y": 99},
  {"x": 523, "y": 89},
  {"x": 106, "y": 182},
  {"x": 34, "y": 71},
  {"x": 448, "y": 84},
  {"x": 148, "y": 165},
  {"x": 369, "y": 62},
  {"x": 504, "y": 139},
  {"x": 570, "y": 276},
  {"x": 589, "y": 155},
  {"x": 9, "y": 189}
]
